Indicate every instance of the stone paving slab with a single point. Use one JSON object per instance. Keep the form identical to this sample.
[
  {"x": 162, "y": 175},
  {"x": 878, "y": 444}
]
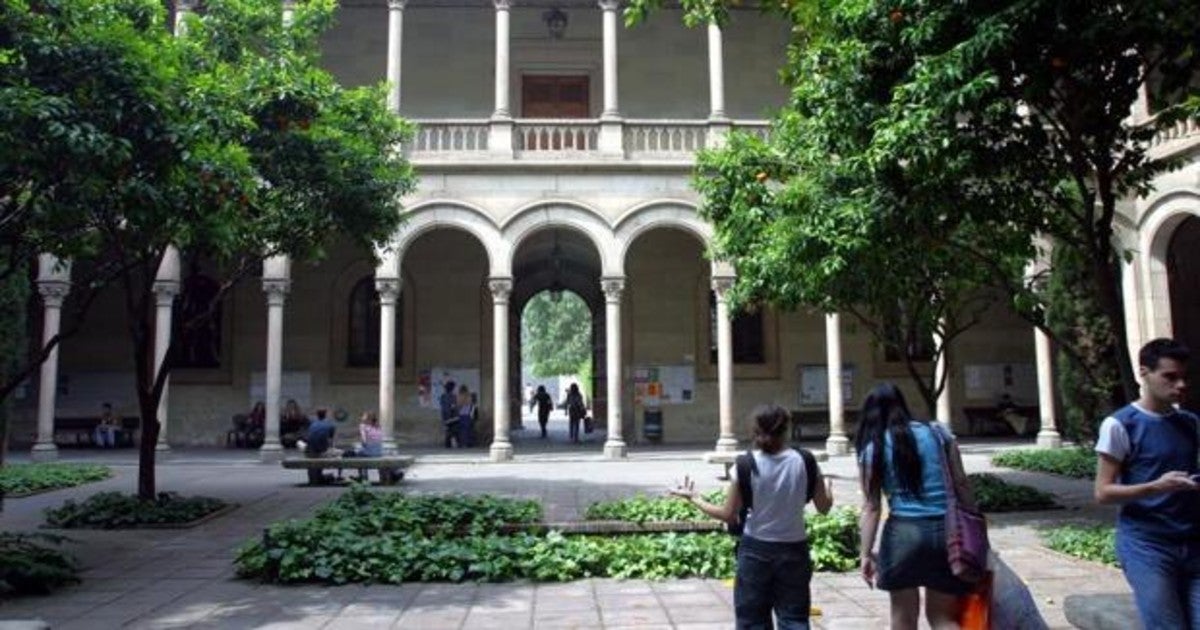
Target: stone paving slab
[{"x": 184, "y": 578}]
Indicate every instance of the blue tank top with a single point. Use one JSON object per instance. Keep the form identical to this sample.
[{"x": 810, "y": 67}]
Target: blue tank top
[{"x": 932, "y": 501}]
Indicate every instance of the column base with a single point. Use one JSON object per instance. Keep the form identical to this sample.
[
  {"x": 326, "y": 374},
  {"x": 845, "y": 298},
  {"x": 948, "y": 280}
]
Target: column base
[
  {"x": 162, "y": 447},
  {"x": 44, "y": 452},
  {"x": 501, "y": 452},
  {"x": 1049, "y": 439},
  {"x": 726, "y": 445},
  {"x": 614, "y": 449},
  {"x": 271, "y": 452},
  {"x": 837, "y": 445}
]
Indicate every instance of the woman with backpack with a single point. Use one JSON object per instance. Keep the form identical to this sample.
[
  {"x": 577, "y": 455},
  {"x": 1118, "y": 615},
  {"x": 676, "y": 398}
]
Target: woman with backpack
[
  {"x": 912, "y": 550},
  {"x": 774, "y": 568}
]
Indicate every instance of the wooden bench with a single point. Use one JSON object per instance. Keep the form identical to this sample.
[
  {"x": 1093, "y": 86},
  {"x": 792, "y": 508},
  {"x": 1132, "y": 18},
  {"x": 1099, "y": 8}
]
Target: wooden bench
[
  {"x": 390, "y": 467},
  {"x": 989, "y": 421},
  {"x": 81, "y": 430}
]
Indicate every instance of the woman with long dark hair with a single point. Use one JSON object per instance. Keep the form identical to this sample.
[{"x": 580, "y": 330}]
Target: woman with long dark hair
[
  {"x": 774, "y": 568},
  {"x": 901, "y": 457}
]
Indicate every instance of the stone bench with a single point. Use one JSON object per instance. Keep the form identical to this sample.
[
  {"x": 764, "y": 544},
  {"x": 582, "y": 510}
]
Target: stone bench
[
  {"x": 80, "y": 430},
  {"x": 1104, "y": 611},
  {"x": 390, "y": 467}
]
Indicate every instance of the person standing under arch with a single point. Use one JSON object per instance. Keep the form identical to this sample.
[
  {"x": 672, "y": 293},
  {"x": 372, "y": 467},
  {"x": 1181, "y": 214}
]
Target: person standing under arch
[
  {"x": 544, "y": 406},
  {"x": 576, "y": 410}
]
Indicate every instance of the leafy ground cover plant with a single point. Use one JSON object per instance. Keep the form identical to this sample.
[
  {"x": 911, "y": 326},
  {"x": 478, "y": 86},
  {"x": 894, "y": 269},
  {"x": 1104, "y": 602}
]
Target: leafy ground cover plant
[
  {"x": 29, "y": 565},
  {"x": 23, "y": 479},
  {"x": 649, "y": 509},
  {"x": 114, "y": 510},
  {"x": 1070, "y": 462},
  {"x": 385, "y": 537},
  {"x": 1096, "y": 543},
  {"x": 993, "y": 494}
]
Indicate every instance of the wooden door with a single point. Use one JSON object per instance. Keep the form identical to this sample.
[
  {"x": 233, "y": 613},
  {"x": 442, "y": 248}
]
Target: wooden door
[{"x": 554, "y": 96}]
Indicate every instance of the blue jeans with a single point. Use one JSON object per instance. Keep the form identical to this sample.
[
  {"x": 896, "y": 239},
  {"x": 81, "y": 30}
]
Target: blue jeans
[
  {"x": 1165, "y": 577},
  {"x": 772, "y": 576}
]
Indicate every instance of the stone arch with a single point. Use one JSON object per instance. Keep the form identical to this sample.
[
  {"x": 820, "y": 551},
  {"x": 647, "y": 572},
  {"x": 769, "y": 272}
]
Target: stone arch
[
  {"x": 1157, "y": 227},
  {"x": 660, "y": 214},
  {"x": 566, "y": 214},
  {"x": 435, "y": 214}
]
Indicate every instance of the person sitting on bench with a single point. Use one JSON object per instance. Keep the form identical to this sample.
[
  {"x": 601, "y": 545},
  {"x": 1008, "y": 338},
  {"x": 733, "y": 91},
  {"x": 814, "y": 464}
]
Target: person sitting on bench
[
  {"x": 318, "y": 440},
  {"x": 105, "y": 435},
  {"x": 371, "y": 445}
]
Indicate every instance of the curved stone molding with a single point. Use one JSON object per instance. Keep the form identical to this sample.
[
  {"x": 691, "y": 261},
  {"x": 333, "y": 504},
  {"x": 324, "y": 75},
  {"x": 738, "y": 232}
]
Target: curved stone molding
[
  {"x": 431, "y": 215},
  {"x": 659, "y": 214},
  {"x": 1156, "y": 228},
  {"x": 566, "y": 214}
]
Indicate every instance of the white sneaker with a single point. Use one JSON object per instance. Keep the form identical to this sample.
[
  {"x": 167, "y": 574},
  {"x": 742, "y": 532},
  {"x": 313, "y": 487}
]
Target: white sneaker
[{"x": 301, "y": 445}]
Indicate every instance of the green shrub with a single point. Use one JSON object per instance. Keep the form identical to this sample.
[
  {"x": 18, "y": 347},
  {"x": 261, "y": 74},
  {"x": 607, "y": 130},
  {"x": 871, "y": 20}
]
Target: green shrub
[
  {"x": 1069, "y": 462},
  {"x": 1096, "y": 543},
  {"x": 29, "y": 567},
  {"x": 993, "y": 494},
  {"x": 647, "y": 509},
  {"x": 21, "y": 479},
  {"x": 380, "y": 537},
  {"x": 113, "y": 510}
]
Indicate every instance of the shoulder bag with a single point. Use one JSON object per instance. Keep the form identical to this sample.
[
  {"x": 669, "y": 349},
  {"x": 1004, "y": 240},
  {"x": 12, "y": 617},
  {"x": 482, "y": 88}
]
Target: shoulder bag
[{"x": 966, "y": 530}]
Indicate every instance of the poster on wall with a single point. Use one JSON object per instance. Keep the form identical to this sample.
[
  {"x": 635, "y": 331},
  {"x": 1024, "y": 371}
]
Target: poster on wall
[
  {"x": 664, "y": 385},
  {"x": 431, "y": 383},
  {"x": 814, "y": 384},
  {"x": 295, "y": 386},
  {"x": 989, "y": 381}
]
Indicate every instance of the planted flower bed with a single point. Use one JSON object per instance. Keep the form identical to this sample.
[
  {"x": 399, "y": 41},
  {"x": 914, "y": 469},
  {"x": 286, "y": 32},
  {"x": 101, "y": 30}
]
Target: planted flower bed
[
  {"x": 30, "y": 564},
  {"x": 114, "y": 510},
  {"x": 1077, "y": 463},
  {"x": 993, "y": 494},
  {"x": 22, "y": 480},
  {"x": 392, "y": 538}
]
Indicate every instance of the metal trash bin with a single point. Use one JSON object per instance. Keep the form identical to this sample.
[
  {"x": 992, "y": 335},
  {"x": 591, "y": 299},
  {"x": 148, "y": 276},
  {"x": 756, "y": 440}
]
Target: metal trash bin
[{"x": 652, "y": 424}]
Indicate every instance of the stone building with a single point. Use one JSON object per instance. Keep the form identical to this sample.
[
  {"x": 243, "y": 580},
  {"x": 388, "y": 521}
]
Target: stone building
[{"x": 554, "y": 152}]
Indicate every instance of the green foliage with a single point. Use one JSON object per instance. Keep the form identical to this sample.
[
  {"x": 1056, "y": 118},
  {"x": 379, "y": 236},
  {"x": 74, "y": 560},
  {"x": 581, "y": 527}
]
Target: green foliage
[
  {"x": 556, "y": 337},
  {"x": 647, "y": 509},
  {"x": 1087, "y": 380},
  {"x": 19, "y": 479},
  {"x": 1079, "y": 463},
  {"x": 993, "y": 494},
  {"x": 29, "y": 565},
  {"x": 391, "y": 538},
  {"x": 113, "y": 510},
  {"x": 1095, "y": 543}
]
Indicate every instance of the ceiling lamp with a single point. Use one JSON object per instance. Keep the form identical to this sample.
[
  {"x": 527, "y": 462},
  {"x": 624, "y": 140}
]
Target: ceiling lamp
[{"x": 556, "y": 22}]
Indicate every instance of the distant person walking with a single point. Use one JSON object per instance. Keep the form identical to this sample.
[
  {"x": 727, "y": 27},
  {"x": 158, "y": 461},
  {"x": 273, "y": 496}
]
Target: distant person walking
[
  {"x": 774, "y": 568},
  {"x": 448, "y": 404},
  {"x": 576, "y": 410},
  {"x": 1147, "y": 454},
  {"x": 466, "y": 416},
  {"x": 544, "y": 406},
  {"x": 901, "y": 457}
]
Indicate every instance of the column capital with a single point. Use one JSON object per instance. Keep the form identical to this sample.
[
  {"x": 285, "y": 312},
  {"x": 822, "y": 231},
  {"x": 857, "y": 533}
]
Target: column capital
[
  {"x": 501, "y": 288},
  {"x": 389, "y": 289},
  {"x": 613, "y": 287},
  {"x": 53, "y": 292},
  {"x": 502, "y": 5},
  {"x": 165, "y": 292},
  {"x": 722, "y": 285},
  {"x": 609, "y": 5},
  {"x": 276, "y": 290},
  {"x": 185, "y": 6},
  {"x": 397, "y": 5}
]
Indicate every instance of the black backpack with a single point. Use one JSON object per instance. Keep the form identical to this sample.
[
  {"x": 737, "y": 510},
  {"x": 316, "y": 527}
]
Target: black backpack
[{"x": 746, "y": 467}]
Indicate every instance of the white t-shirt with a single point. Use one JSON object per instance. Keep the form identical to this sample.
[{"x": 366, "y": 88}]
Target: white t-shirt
[{"x": 780, "y": 491}]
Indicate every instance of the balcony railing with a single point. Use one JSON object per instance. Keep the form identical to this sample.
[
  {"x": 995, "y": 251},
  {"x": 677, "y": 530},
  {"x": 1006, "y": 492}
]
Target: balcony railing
[
  {"x": 450, "y": 140},
  {"x": 1183, "y": 135}
]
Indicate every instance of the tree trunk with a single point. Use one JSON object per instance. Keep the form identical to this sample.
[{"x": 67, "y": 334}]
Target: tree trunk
[{"x": 1105, "y": 268}]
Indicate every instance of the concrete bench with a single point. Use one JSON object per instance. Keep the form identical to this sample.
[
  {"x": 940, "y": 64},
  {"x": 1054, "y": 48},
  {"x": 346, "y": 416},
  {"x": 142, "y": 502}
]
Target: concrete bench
[
  {"x": 390, "y": 467},
  {"x": 79, "y": 430},
  {"x": 1103, "y": 611}
]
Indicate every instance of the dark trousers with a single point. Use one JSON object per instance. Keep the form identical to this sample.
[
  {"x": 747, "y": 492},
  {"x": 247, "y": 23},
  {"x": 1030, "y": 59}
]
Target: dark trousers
[
  {"x": 772, "y": 576},
  {"x": 451, "y": 429},
  {"x": 543, "y": 418}
]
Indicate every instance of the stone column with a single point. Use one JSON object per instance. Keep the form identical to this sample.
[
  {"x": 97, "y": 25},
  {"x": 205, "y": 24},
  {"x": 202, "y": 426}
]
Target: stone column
[
  {"x": 395, "y": 35},
  {"x": 837, "y": 444},
  {"x": 289, "y": 12},
  {"x": 276, "y": 290},
  {"x": 53, "y": 284},
  {"x": 500, "y": 130},
  {"x": 716, "y": 73},
  {"x": 389, "y": 291},
  {"x": 501, "y": 288},
  {"x": 727, "y": 440},
  {"x": 611, "y": 140},
  {"x": 1048, "y": 436},
  {"x": 182, "y": 8},
  {"x": 164, "y": 299},
  {"x": 614, "y": 445}
]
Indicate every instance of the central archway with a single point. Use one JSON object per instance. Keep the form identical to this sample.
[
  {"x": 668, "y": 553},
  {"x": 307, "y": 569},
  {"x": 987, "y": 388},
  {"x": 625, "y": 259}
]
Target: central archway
[{"x": 1183, "y": 279}]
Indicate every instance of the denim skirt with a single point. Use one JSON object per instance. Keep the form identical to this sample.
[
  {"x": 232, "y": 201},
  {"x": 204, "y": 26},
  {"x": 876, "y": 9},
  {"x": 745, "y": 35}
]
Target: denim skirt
[{"x": 913, "y": 553}]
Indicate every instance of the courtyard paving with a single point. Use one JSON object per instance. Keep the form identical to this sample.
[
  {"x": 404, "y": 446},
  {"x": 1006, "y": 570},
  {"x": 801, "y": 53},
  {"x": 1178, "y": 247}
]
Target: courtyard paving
[{"x": 184, "y": 578}]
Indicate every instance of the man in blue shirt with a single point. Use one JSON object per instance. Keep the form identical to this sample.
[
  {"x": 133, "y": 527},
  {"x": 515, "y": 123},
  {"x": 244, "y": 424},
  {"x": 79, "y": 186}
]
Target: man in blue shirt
[{"x": 1148, "y": 453}]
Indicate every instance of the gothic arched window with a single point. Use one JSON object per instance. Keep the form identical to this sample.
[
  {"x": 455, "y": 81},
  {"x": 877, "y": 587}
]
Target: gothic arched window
[{"x": 363, "y": 338}]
